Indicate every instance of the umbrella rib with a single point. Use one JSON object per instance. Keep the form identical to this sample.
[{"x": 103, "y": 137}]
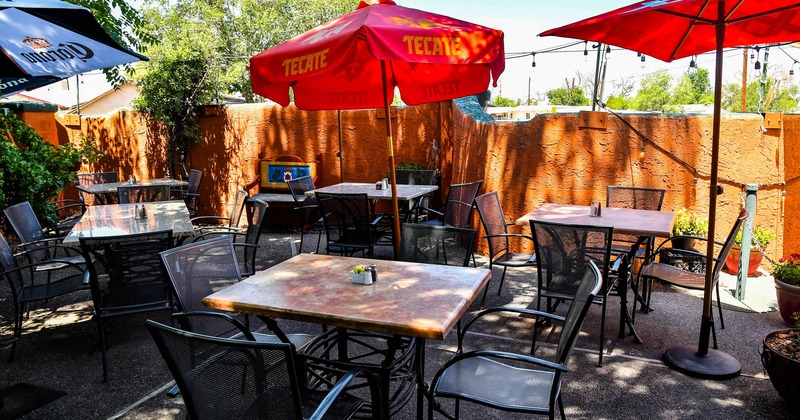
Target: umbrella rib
[
  {"x": 778, "y": 10},
  {"x": 693, "y": 20}
]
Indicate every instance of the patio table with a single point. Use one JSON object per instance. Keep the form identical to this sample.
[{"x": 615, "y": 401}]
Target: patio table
[
  {"x": 100, "y": 191},
  {"x": 117, "y": 219},
  {"x": 405, "y": 192},
  {"x": 641, "y": 223},
  {"x": 409, "y": 299}
]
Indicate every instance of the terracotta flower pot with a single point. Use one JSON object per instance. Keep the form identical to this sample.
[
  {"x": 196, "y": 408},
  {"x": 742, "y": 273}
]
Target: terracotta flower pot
[
  {"x": 788, "y": 300},
  {"x": 732, "y": 262},
  {"x": 783, "y": 371}
]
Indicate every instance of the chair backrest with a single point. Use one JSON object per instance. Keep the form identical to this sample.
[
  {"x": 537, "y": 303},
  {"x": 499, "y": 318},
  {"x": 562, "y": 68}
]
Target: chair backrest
[
  {"x": 28, "y": 229},
  {"x": 237, "y": 208},
  {"x": 142, "y": 193},
  {"x": 346, "y": 216},
  {"x": 197, "y": 270},
  {"x": 136, "y": 275},
  {"x": 458, "y": 208},
  {"x": 430, "y": 244},
  {"x": 255, "y": 223},
  {"x": 563, "y": 252},
  {"x": 95, "y": 178},
  {"x": 494, "y": 222},
  {"x": 195, "y": 177},
  {"x": 719, "y": 262},
  {"x": 639, "y": 198},
  {"x": 228, "y": 378},
  {"x": 588, "y": 288},
  {"x": 299, "y": 186},
  {"x": 415, "y": 176},
  {"x": 8, "y": 262}
]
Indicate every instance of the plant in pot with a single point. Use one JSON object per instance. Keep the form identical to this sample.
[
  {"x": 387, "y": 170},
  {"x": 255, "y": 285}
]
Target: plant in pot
[
  {"x": 761, "y": 237},
  {"x": 786, "y": 273},
  {"x": 780, "y": 355},
  {"x": 688, "y": 223}
]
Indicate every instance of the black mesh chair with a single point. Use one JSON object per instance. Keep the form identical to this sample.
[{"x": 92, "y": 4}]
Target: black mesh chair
[
  {"x": 28, "y": 286},
  {"x": 349, "y": 225},
  {"x": 201, "y": 268},
  {"x": 410, "y": 211},
  {"x": 563, "y": 253},
  {"x": 191, "y": 194},
  {"x": 237, "y": 379},
  {"x": 135, "y": 281},
  {"x": 245, "y": 242},
  {"x": 68, "y": 213},
  {"x": 142, "y": 193},
  {"x": 230, "y": 222},
  {"x": 307, "y": 208},
  {"x": 458, "y": 207},
  {"x": 443, "y": 245},
  {"x": 509, "y": 381},
  {"x": 38, "y": 246},
  {"x": 97, "y": 178},
  {"x": 496, "y": 227},
  {"x": 639, "y": 198},
  {"x": 653, "y": 269}
]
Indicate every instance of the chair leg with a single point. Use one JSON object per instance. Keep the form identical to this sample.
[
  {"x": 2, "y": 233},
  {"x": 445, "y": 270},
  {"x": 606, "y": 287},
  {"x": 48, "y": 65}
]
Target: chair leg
[
  {"x": 302, "y": 235},
  {"x": 719, "y": 308},
  {"x": 319, "y": 238},
  {"x": 602, "y": 332},
  {"x": 486, "y": 288},
  {"x": 502, "y": 279},
  {"x": 561, "y": 407},
  {"x": 103, "y": 345}
]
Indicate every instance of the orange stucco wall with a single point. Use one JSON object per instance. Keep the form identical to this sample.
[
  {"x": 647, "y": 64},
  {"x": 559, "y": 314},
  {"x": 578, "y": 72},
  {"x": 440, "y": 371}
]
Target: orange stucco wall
[{"x": 547, "y": 159}]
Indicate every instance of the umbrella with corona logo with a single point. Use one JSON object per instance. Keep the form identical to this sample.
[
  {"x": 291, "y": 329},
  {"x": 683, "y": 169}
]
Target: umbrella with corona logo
[
  {"x": 673, "y": 29},
  {"x": 48, "y": 40},
  {"x": 356, "y": 60}
]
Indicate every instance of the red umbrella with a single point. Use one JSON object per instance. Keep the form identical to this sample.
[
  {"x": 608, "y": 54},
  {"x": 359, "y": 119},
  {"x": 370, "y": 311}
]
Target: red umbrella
[
  {"x": 672, "y": 29},
  {"x": 356, "y": 61}
]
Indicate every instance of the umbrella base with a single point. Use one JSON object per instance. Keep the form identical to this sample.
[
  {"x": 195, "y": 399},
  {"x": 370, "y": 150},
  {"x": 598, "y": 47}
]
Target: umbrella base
[{"x": 714, "y": 365}]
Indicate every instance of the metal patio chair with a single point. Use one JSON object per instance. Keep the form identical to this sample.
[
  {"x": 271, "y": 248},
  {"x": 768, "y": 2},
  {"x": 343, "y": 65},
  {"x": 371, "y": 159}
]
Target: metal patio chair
[
  {"x": 97, "y": 178},
  {"x": 307, "y": 208},
  {"x": 349, "y": 224},
  {"x": 142, "y": 193}
]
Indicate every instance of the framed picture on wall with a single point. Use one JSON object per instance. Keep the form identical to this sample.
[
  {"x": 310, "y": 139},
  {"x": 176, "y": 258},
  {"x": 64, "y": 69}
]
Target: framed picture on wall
[{"x": 274, "y": 174}]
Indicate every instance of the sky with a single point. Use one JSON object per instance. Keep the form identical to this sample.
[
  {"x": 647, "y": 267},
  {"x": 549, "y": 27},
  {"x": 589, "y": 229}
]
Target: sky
[{"x": 523, "y": 20}]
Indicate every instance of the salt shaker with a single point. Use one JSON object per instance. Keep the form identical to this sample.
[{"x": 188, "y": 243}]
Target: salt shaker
[
  {"x": 374, "y": 270},
  {"x": 385, "y": 183}
]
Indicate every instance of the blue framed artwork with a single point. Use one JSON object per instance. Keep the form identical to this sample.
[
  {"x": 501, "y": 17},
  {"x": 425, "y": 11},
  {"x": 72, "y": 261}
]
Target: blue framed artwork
[{"x": 274, "y": 174}]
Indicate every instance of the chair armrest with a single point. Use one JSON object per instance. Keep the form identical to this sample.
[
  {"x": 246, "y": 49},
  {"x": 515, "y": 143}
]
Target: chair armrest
[
  {"x": 210, "y": 234},
  {"x": 204, "y": 218},
  {"x": 216, "y": 229},
  {"x": 341, "y": 386},
  {"x": 521, "y": 311},
  {"x": 307, "y": 207},
  {"x": 66, "y": 265},
  {"x": 238, "y": 324},
  {"x": 509, "y": 235},
  {"x": 512, "y": 356},
  {"x": 436, "y": 212},
  {"x": 42, "y": 244}
]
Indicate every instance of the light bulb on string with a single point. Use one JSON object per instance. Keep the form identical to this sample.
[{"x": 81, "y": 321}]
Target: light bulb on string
[
  {"x": 608, "y": 49},
  {"x": 585, "y": 51},
  {"x": 533, "y": 55},
  {"x": 642, "y": 151},
  {"x": 757, "y": 66}
]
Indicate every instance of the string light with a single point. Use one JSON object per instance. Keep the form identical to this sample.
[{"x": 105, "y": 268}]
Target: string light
[
  {"x": 533, "y": 55},
  {"x": 608, "y": 49},
  {"x": 791, "y": 69},
  {"x": 585, "y": 51},
  {"x": 641, "y": 151},
  {"x": 757, "y": 66},
  {"x": 693, "y": 63}
]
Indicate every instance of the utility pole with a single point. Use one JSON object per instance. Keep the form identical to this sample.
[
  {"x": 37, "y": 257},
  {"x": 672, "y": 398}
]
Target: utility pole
[
  {"x": 529, "y": 91},
  {"x": 744, "y": 80}
]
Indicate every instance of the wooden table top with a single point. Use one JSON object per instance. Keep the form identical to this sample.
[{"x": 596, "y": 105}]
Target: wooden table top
[
  {"x": 117, "y": 219},
  {"x": 111, "y": 187},
  {"x": 624, "y": 221},
  {"x": 404, "y": 191},
  {"x": 409, "y": 299}
]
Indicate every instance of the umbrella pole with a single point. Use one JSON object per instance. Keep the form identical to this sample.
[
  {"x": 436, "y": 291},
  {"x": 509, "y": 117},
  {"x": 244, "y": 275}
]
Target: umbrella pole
[
  {"x": 705, "y": 363},
  {"x": 341, "y": 152},
  {"x": 392, "y": 177}
]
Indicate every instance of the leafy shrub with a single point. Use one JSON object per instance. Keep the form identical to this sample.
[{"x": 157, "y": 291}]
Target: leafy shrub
[
  {"x": 689, "y": 223},
  {"x": 762, "y": 235},
  {"x": 34, "y": 170}
]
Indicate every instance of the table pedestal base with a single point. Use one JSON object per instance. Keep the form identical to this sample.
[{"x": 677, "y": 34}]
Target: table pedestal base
[{"x": 714, "y": 365}]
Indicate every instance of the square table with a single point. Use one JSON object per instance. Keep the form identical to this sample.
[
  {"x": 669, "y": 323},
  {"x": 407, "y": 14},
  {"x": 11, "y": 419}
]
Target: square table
[
  {"x": 409, "y": 299},
  {"x": 117, "y": 219},
  {"x": 641, "y": 223},
  {"x": 405, "y": 192},
  {"x": 102, "y": 189}
]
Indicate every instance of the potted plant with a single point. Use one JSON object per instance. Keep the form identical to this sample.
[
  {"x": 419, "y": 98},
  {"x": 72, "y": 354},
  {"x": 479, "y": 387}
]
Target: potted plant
[
  {"x": 688, "y": 223},
  {"x": 786, "y": 273},
  {"x": 780, "y": 355},
  {"x": 760, "y": 236}
]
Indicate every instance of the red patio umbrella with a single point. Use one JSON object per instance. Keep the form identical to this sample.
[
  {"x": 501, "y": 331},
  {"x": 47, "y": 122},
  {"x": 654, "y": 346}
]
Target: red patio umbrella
[
  {"x": 357, "y": 60},
  {"x": 672, "y": 29}
]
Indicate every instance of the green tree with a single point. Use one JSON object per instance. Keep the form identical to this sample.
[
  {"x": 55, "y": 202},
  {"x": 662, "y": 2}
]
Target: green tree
[
  {"x": 654, "y": 93},
  {"x": 124, "y": 23},
  {"x": 694, "y": 87},
  {"x": 618, "y": 102},
  {"x": 572, "y": 95},
  {"x": 505, "y": 102},
  {"x": 784, "y": 99}
]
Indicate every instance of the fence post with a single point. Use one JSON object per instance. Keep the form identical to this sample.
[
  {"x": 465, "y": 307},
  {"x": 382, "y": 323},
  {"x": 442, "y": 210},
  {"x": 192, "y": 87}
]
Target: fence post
[{"x": 747, "y": 233}]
